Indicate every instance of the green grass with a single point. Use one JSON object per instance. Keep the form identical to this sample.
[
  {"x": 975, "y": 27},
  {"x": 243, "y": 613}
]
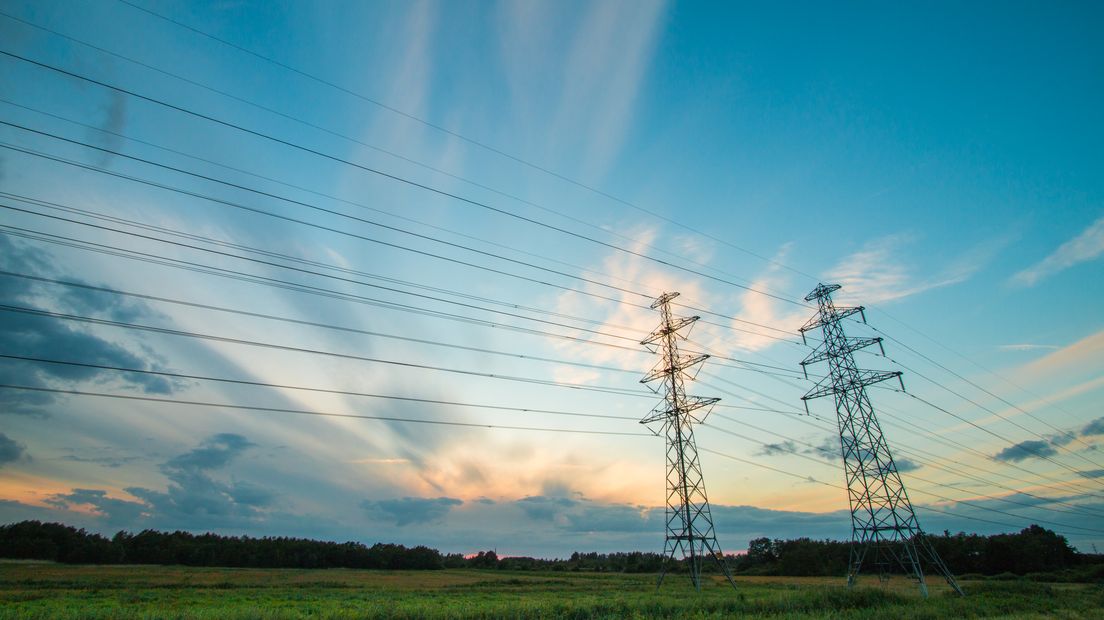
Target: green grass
[{"x": 60, "y": 591}]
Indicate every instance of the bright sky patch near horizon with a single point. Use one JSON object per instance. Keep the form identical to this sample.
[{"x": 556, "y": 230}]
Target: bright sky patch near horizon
[{"x": 417, "y": 199}]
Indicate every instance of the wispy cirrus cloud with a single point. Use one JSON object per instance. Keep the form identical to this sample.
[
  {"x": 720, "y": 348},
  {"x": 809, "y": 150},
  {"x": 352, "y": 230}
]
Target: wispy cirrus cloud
[
  {"x": 1086, "y": 246},
  {"x": 757, "y": 309},
  {"x": 599, "y": 76},
  {"x": 1083, "y": 354},
  {"x": 880, "y": 272},
  {"x": 1028, "y": 347}
]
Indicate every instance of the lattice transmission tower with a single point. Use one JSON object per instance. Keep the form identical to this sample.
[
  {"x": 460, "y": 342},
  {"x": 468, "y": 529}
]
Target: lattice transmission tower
[
  {"x": 884, "y": 528},
  {"x": 689, "y": 523}
]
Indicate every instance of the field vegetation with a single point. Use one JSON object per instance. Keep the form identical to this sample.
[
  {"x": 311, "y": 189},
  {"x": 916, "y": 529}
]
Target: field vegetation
[
  {"x": 57, "y": 571},
  {"x": 49, "y": 590}
]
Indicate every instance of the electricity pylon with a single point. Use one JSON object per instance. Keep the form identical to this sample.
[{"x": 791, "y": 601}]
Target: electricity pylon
[
  {"x": 883, "y": 522},
  {"x": 689, "y": 523}
]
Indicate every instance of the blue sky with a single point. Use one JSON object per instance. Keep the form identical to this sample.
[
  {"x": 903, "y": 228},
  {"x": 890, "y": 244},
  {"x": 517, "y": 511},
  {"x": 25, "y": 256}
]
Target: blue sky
[{"x": 940, "y": 162}]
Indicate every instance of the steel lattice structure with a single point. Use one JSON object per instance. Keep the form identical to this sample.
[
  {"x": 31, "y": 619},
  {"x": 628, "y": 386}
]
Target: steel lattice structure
[
  {"x": 884, "y": 528},
  {"x": 689, "y": 522}
]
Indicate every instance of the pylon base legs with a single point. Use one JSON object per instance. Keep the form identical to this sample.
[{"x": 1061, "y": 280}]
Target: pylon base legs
[
  {"x": 707, "y": 546},
  {"x": 906, "y": 555}
]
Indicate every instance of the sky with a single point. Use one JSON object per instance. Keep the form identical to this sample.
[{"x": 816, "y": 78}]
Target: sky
[{"x": 314, "y": 227}]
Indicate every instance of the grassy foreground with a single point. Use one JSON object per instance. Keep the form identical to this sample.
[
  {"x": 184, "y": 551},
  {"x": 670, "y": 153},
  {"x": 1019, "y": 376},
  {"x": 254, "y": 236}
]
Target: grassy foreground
[{"x": 34, "y": 590}]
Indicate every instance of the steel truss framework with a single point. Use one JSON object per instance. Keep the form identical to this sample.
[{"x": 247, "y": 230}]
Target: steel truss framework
[
  {"x": 884, "y": 528},
  {"x": 689, "y": 523}
]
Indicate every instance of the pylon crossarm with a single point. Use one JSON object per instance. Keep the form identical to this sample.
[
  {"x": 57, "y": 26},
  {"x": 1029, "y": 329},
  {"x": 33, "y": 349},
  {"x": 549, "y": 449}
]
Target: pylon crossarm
[
  {"x": 835, "y": 316},
  {"x": 870, "y": 377},
  {"x": 824, "y": 388},
  {"x": 674, "y": 365},
  {"x": 822, "y": 291},
  {"x": 822, "y": 351},
  {"x": 669, "y": 328}
]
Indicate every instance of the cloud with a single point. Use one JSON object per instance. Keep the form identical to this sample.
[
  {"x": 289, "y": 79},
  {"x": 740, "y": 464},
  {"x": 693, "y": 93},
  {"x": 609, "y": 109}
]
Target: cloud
[
  {"x": 410, "y": 510},
  {"x": 371, "y": 461},
  {"x": 876, "y": 273},
  {"x": 1031, "y": 448},
  {"x": 51, "y": 338},
  {"x": 545, "y": 508},
  {"x": 215, "y": 452},
  {"x": 764, "y": 310},
  {"x": 1061, "y": 439},
  {"x": 1084, "y": 247},
  {"x": 597, "y": 76},
  {"x": 10, "y": 450},
  {"x": 1092, "y": 473},
  {"x": 772, "y": 449},
  {"x": 1027, "y": 347},
  {"x": 597, "y": 517},
  {"x": 46, "y": 337},
  {"x": 194, "y": 497},
  {"x": 905, "y": 465},
  {"x": 111, "y": 461},
  {"x": 1096, "y": 427},
  {"x": 829, "y": 449},
  {"x": 112, "y": 511},
  {"x": 114, "y": 122}
]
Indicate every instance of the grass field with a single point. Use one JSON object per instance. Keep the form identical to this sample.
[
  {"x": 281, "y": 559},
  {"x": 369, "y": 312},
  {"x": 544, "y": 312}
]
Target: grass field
[{"x": 39, "y": 590}]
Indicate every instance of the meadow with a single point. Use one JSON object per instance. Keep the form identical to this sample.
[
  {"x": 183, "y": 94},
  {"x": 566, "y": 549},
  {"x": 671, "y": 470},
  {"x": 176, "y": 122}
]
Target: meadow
[{"x": 47, "y": 590}]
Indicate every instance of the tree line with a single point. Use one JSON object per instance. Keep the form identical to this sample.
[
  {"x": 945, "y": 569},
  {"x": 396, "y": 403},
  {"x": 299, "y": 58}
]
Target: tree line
[{"x": 1032, "y": 550}]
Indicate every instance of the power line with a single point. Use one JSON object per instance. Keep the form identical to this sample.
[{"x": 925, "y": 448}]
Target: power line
[
  {"x": 707, "y": 235},
  {"x": 394, "y": 177},
  {"x": 468, "y": 140},
  {"x": 296, "y": 259},
  {"x": 195, "y": 403},
  {"x": 431, "y": 401},
  {"x": 348, "y": 356},
  {"x": 918, "y": 455},
  {"x": 1066, "y": 485},
  {"x": 975, "y": 363},
  {"x": 322, "y": 194},
  {"x": 743, "y": 365},
  {"x": 291, "y": 201},
  {"x": 386, "y": 107},
  {"x": 354, "y": 218},
  {"x": 558, "y": 361},
  {"x": 283, "y": 284},
  {"x": 1063, "y": 433},
  {"x": 329, "y": 326},
  {"x": 404, "y": 420},
  {"x": 806, "y": 478},
  {"x": 931, "y": 459},
  {"x": 1078, "y": 511},
  {"x": 317, "y": 274},
  {"x": 251, "y": 408},
  {"x": 330, "y": 276},
  {"x": 294, "y": 287},
  {"x": 1019, "y": 445},
  {"x": 343, "y": 137}
]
